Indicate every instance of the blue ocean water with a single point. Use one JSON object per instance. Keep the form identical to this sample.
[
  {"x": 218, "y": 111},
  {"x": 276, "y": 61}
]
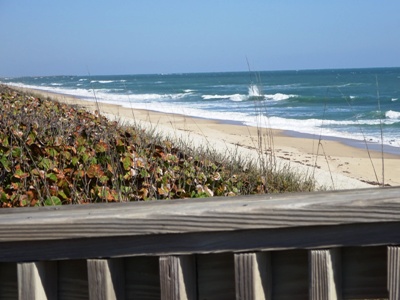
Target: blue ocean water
[{"x": 361, "y": 104}]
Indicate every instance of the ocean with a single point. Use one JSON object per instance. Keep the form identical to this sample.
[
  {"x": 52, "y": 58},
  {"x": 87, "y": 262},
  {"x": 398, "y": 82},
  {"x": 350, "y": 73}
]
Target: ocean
[{"x": 357, "y": 104}]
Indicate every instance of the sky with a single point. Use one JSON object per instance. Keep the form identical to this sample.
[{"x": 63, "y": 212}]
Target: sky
[{"x": 97, "y": 37}]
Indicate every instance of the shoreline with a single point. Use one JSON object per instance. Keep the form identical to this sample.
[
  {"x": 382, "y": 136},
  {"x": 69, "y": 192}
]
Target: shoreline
[
  {"x": 356, "y": 143},
  {"x": 340, "y": 163}
]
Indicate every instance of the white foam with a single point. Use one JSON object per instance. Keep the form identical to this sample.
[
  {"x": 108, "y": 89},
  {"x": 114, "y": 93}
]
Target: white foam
[
  {"x": 391, "y": 114},
  {"x": 279, "y": 97},
  {"x": 212, "y": 97},
  {"x": 395, "y": 99},
  {"x": 101, "y": 81},
  {"x": 255, "y": 91},
  {"x": 238, "y": 97},
  {"x": 152, "y": 101}
]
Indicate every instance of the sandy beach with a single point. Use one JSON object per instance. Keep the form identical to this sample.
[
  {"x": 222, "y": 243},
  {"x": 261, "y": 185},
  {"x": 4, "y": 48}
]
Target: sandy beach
[{"x": 333, "y": 163}]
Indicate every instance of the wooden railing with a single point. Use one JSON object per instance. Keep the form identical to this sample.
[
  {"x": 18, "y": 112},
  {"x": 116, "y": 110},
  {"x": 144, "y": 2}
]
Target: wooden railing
[{"x": 325, "y": 245}]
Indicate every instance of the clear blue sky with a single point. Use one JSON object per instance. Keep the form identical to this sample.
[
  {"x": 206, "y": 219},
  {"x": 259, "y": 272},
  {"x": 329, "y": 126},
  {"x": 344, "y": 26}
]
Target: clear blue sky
[{"x": 59, "y": 37}]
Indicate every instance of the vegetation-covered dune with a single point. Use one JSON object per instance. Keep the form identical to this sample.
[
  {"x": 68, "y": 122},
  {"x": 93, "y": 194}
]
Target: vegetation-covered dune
[{"x": 53, "y": 153}]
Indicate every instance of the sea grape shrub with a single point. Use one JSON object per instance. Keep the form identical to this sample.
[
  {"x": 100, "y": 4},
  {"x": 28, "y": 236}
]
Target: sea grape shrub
[{"x": 53, "y": 153}]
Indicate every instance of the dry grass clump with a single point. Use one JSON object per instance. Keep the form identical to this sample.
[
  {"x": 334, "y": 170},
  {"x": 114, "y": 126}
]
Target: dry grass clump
[{"x": 52, "y": 153}]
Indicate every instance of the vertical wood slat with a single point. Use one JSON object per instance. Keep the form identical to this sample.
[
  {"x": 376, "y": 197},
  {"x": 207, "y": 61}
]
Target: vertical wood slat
[
  {"x": 37, "y": 280},
  {"x": 393, "y": 280},
  {"x": 178, "y": 277},
  {"x": 325, "y": 274},
  {"x": 253, "y": 276},
  {"x": 106, "y": 279}
]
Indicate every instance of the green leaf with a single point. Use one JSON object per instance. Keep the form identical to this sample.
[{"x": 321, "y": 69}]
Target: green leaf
[
  {"x": 62, "y": 194},
  {"x": 46, "y": 164},
  {"x": 75, "y": 161},
  {"x": 52, "y": 152},
  {"x": 127, "y": 162},
  {"x": 16, "y": 152},
  {"x": 3, "y": 197},
  {"x": 53, "y": 200},
  {"x": 6, "y": 163},
  {"x": 51, "y": 176},
  {"x": 20, "y": 174}
]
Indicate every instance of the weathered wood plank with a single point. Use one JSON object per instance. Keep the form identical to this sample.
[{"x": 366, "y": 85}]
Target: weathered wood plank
[
  {"x": 142, "y": 278},
  {"x": 178, "y": 277},
  {"x": 73, "y": 280},
  {"x": 364, "y": 272},
  {"x": 210, "y": 215},
  {"x": 325, "y": 274},
  {"x": 290, "y": 275},
  {"x": 37, "y": 280},
  {"x": 207, "y": 242},
  {"x": 8, "y": 281},
  {"x": 253, "y": 276},
  {"x": 106, "y": 279},
  {"x": 216, "y": 277},
  {"x": 393, "y": 265}
]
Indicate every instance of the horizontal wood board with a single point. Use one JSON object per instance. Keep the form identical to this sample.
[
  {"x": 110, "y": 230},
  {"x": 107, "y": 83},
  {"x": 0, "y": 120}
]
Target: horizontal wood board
[{"x": 201, "y": 215}]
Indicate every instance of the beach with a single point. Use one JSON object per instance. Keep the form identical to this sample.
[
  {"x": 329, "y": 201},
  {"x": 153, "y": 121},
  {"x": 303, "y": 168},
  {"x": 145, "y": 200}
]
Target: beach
[{"x": 334, "y": 163}]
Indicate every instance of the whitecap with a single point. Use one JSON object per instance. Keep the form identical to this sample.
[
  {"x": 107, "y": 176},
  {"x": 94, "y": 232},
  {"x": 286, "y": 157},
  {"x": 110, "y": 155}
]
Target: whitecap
[
  {"x": 212, "y": 97},
  {"x": 237, "y": 97},
  {"x": 395, "y": 99},
  {"x": 279, "y": 97},
  {"x": 106, "y": 81},
  {"x": 391, "y": 114},
  {"x": 255, "y": 91},
  {"x": 55, "y": 84}
]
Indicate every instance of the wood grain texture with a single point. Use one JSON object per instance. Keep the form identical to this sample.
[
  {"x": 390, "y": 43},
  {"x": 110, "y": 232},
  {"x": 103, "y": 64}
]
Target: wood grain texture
[
  {"x": 290, "y": 275},
  {"x": 216, "y": 277},
  {"x": 204, "y": 215},
  {"x": 313, "y": 237},
  {"x": 253, "y": 276},
  {"x": 142, "y": 278},
  {"x": 325, "y": 274},
  {"x": 178, "y": 277},
  {"x": 364, "y": 272},
  {"x": 37, "y": 280},
  {"x": 73, "y": 280},
  {"x": 8, "y": 281},
  {"x": 106, "y": 279},
  {"x": 393, "y": 281}
]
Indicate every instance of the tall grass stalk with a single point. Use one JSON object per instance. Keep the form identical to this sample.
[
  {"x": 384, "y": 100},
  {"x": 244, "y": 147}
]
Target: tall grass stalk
[
  {"x": 381, "y": 130},
  {"x": 346, "y": 98}
]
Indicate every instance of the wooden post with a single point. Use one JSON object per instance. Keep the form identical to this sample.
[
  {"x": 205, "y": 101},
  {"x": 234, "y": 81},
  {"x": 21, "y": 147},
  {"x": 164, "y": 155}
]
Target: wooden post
[
  {"x": 393, "y": 277},
  {"x": 106, "y": 279},
  {"x": 325, "y": 274},
  {"x": 253, "y": 276},
  {"x": 178, "y": 277},
  {"x": 37, "y": 280}
]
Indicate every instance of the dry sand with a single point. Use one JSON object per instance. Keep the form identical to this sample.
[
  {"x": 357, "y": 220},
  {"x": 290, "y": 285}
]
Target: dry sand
[{"x": 334, "y": 164}]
